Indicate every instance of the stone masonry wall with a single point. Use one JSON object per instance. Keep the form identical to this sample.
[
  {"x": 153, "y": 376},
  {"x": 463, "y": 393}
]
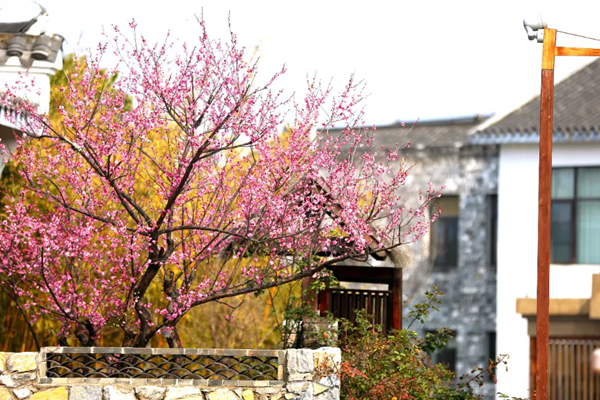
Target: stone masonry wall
[
  {"x": 307, "y": 375},
  {"x": 469, "y": 304}
]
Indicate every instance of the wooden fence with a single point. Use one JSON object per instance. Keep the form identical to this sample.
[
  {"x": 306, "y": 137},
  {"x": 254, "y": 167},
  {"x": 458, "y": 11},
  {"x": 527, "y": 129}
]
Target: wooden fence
[{"x": 571, "y": 376}]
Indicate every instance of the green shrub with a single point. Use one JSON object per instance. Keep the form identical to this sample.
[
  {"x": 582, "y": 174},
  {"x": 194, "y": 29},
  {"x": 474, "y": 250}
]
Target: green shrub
[{"x": 397, "y": 366}]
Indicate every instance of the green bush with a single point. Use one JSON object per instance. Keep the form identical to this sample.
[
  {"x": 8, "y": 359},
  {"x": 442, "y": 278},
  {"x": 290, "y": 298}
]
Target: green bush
[{"x": 397, "y": 366}]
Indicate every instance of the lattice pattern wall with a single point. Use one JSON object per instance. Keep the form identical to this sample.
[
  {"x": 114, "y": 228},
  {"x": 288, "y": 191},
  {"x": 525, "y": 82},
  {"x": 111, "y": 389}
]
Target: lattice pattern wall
[{"x": 193, "y": 364}]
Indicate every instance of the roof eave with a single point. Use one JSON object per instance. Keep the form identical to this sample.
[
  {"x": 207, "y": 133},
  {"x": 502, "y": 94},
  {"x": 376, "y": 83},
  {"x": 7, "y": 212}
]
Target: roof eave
[{"x": 530, "y": 137}]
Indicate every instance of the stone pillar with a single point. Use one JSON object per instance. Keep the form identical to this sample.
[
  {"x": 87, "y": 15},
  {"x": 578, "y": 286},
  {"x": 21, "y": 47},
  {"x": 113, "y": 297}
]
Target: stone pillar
[{"x": 313, "y": 374}]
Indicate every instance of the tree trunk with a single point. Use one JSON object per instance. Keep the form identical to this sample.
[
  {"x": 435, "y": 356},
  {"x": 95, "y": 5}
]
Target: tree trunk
[{"x": 174, "y": 340}]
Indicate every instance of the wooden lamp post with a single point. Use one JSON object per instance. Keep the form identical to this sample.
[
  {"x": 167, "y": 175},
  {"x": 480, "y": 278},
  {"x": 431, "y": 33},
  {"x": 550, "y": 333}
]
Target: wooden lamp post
[{"x": 538, "y": 30}]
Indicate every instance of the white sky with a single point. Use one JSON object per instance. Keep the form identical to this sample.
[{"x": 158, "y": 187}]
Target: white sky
[{"x": 420, "y": 59}]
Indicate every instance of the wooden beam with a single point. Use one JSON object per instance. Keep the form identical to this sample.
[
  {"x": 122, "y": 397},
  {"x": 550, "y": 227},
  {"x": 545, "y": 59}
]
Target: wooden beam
[
  {"x": 396, "y": 322},
  {"x": 324, "y": 300},
  {"x": 549, "y": 48},
  {"x": 350, "y": 273},
  {"x": 544, "y": 203},
  {"x": 576, "y": 51}
]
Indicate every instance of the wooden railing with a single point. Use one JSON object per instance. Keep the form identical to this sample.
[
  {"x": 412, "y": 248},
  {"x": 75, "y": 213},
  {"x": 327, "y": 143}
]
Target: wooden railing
[
  {"x": 570, "y": 370},
  {"x": 343, "y": 303}
]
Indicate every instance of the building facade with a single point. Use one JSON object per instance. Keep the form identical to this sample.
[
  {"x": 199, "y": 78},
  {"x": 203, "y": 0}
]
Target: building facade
[
  {"x": 575, "y": 234},
  {"x": 459, "y": 254}
]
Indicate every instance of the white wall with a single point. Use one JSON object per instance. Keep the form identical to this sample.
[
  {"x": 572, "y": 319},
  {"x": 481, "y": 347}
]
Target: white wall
[
  {"x": 517, "y": 252},
  {"x": 39, "y": 73}
]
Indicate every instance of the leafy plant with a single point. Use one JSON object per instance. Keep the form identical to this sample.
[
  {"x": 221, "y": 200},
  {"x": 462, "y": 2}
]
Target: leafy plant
[{"x": 397, "y": 365}]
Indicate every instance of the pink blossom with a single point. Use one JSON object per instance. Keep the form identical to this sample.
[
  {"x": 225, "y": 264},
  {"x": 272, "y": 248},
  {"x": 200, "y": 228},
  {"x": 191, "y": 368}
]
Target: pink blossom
[{"x": 190, "y": 191}]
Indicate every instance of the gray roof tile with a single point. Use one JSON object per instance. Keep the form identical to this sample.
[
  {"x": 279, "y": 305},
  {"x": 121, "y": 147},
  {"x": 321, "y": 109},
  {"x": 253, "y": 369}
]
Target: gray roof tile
[
  {"x": 576, "y": 113},
  {"x": 452, "y": 132}
]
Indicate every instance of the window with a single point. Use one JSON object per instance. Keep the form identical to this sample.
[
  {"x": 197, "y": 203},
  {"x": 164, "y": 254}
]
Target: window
[
  {"x": 491, "y": 349},
  {"x": 575, "y": 221},
  {"x": 444, "y": 239},
  {"x": 448, "y": 354},
  {"x": 493, "y": 228}
]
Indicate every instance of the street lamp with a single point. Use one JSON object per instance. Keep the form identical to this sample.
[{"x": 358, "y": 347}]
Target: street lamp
[
  {"x": 537, "y": 29},
  {"x": 534, "y": 28}
]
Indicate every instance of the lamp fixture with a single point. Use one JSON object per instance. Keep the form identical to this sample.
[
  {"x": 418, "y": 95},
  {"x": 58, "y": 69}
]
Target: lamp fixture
[{"x": 535, "y": 28}]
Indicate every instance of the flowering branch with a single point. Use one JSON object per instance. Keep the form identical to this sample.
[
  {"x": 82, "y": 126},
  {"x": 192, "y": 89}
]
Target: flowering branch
[{"x": 172, "y": 186}]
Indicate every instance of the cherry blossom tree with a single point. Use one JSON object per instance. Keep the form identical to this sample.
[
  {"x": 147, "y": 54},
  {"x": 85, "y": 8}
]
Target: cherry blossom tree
[{"x": 175, "y": 179}]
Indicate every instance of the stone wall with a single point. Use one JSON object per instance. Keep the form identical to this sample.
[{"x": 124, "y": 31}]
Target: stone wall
[
  {"x": 469, "y": 304},
  {"x": 304, "y": 374}
]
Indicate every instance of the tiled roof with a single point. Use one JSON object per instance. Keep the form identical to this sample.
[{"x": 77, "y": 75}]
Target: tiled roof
[
  {"x": 576, "y": 114},
  {"x": 452, "y": 132},
  {"x": 16, "y": 27}
]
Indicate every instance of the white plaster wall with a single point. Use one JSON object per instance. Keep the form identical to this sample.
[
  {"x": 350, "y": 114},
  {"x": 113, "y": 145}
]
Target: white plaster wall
[
  {"x": 39, "y": 73},
  {"x": 517, "y": 252},
  {"x": 37, "y": 77}
]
